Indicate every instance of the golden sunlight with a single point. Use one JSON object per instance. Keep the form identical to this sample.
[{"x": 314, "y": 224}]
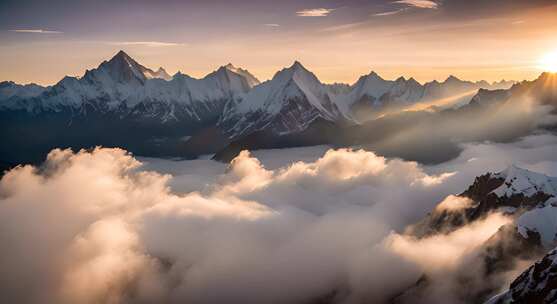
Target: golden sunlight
[{"x": 549, "y": 62}]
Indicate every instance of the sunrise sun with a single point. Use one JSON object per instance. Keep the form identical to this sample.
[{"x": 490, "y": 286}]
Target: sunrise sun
[{"x": 549, "y": 62}]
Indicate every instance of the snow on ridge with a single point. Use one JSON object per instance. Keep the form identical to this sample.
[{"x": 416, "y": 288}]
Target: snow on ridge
[
  {"x": 542, "y": 220},
  {"x": 250, "y": 78},
  {"x": 518, "y": 180},
  {"x": 123, "y": 81}
]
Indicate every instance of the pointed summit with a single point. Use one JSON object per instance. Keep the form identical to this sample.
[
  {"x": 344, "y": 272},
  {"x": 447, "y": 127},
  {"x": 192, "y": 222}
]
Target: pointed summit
[
  {"x": 413, "y": 81},
  {"x": 252, "y": 80},
  {"x": 123, "y": 58},
  {"x": 452, "y": 78},
  {"x": 120, "y": 54},
  {"x": 160, "y": 73},
  {"x": 373, "y": 74},
  {"x": 121, "y": 68},
  {"x": 547, "y": 76},
  {"x": 229, "y": 71},
  {"x": 296, "y": 70},
  {"x": 297, "y": 65},
  {"x": 371, "y": 85}
]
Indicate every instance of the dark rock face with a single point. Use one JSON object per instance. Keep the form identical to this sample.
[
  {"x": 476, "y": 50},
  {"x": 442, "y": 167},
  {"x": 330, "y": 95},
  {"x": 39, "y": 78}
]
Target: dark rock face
[
  {"x": 484, "y": 271},
  {"x": 502, "y": 250},
  {"x": 537, "y": 285},
  {"x": 480, "y": 275},
  {"x": 319, "y": 132},
  {"x": 485, "y": 202},
  {"x": 67, "y": 129}
]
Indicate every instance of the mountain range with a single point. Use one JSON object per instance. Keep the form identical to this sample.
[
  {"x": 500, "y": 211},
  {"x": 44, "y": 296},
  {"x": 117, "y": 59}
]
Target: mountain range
[{"x": 123, "y": 103}]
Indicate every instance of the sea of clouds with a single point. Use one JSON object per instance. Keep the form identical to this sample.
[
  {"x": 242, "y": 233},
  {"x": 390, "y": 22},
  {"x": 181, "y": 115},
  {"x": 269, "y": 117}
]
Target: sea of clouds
[{"x": 279, "y": 226}]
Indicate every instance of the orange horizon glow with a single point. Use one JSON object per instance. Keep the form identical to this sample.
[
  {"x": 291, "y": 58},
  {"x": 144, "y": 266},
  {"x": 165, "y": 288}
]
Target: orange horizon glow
[{"x": 507, "y": 47}]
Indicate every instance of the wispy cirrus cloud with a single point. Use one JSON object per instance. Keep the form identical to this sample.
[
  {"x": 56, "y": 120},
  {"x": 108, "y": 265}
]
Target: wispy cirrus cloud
[
  {"x": 272, "y": 24},
  {"x": 35, "y": 31},
  {"x": 389, "y": 13},
  {"x": 419, "y": 3},
  {"x": 315, "y": 12},
  {"x": 145, "y": 43}
]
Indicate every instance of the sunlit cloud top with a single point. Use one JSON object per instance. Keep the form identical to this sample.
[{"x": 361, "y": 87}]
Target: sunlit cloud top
[
  {"x": 419, "y": 3},
  {"x": 315, "y": 12},
  {"x": 389, "y": 13}
]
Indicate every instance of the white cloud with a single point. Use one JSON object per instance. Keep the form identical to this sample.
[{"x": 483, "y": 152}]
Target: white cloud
[
  {"x": 84, "y": 221},
  {"x": 454, "y": 203},
  {"x": 36, "y": 31},
  {"x": 419, "y": 3},
  {"x": 272, "y": 24},
  {"x": 315, "y": 12},
  {"x": 103, "y": 221}
]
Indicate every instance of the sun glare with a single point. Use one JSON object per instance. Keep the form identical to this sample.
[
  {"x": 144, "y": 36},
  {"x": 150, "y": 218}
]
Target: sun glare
[{"x": 549, "y": 62}]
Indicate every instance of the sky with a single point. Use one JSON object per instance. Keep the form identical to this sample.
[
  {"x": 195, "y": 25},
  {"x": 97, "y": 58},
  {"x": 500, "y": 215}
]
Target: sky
[{"x": 338, "y": 40}]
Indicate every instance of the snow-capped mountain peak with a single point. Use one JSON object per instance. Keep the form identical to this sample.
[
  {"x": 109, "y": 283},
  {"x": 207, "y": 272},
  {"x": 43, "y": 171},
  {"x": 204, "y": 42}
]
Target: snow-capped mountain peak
[
  {"x": 289, "y": 102},
  {"x": 295, "y": 69},
  {"x": 452, "y": 78},
  {"x": 371, "y": 85},
  {"x": 374, "y": 75},
  {"x": 526, "y": 182},
  {"x": 122, "y": 68},
  {"x": 160, "y": 73},
  {"x": 251, "y": 80}
]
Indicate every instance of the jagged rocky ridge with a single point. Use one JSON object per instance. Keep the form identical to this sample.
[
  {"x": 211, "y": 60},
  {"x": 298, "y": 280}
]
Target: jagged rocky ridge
[
  {"x": 513, "y": 191},
  {"x": 528, "y": 198},
  {"x": 536, "y": 285}
]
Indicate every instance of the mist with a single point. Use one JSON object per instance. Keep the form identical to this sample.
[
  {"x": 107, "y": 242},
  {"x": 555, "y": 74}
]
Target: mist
[{"x": 434, "y": 136}]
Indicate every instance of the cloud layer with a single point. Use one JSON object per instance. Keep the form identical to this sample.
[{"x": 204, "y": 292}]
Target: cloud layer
[{"x": 99, "y": 226}]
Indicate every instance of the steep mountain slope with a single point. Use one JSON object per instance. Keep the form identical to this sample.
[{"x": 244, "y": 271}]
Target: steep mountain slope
[
  {"x": 542, "y": 90},
  {"x": 513, "y": 191},
  {"x": 536, "y": 285},
  {"x": 526, "y": 197},
  {"x": 13, "y": 94},
  {"x": 288, "y": 103},
  {"x": 372, "y": 95}
]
